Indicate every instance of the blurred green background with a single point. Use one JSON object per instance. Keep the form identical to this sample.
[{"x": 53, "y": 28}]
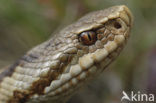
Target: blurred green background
[{"x": 26, "y": 23}]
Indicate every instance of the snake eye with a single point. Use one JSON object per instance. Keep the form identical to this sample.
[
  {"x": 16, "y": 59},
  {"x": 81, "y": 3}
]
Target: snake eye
[{"x": 88, "y": 37}]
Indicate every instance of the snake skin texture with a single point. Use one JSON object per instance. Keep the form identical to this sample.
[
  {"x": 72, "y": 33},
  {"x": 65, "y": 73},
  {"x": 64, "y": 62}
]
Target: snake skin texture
[{"x": 54, "y": 70}]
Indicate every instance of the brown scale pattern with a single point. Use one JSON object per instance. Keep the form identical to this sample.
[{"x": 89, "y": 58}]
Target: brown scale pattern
[{"x": 48, "y": 51}]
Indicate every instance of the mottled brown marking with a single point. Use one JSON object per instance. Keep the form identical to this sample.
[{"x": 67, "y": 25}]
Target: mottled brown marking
[
  {"x": 19, "y": 97},
  {"x": 39, "y": 86}
]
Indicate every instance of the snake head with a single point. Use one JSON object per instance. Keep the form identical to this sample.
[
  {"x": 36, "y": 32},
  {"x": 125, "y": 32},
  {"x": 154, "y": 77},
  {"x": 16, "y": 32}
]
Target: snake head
[
  {"x": 54, "y": 70},
  {"x": 95, "y": 41}
]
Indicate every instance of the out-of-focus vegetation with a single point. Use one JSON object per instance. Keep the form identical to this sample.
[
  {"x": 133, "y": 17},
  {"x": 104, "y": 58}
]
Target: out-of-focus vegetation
[{"x": 25, "y": 23}]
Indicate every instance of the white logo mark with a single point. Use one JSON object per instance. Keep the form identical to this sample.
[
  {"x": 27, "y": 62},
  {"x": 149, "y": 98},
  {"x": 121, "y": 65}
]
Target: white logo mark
[
  {"x": 138, "y": 97},
  {"x": 125, "y": 96}
]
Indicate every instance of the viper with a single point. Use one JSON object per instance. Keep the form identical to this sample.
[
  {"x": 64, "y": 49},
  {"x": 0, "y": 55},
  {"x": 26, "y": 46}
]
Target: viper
[{"x": 54, "y": 70}]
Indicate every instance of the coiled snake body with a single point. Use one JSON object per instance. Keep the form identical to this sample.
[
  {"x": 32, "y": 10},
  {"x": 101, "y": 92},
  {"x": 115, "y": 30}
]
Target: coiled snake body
[{"x": 52, "y": 71}]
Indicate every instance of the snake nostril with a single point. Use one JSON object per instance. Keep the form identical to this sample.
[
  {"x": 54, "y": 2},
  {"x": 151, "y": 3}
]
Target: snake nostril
[{"x": 117, "y": 25}]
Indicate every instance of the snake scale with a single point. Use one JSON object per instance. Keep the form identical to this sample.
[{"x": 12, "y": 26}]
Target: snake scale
[{"x": 54, "y": 70}]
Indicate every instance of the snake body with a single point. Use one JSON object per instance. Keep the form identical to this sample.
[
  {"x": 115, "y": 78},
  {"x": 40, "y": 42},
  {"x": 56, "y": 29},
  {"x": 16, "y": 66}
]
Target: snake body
[{"x": 54, "y": 70}]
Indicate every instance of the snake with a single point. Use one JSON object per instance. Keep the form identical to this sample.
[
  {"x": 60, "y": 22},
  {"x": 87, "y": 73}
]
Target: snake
[{"x": 54, "y": 70}]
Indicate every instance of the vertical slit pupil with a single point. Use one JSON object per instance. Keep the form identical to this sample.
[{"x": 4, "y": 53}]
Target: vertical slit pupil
[{"x": 89, "y": 37}]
